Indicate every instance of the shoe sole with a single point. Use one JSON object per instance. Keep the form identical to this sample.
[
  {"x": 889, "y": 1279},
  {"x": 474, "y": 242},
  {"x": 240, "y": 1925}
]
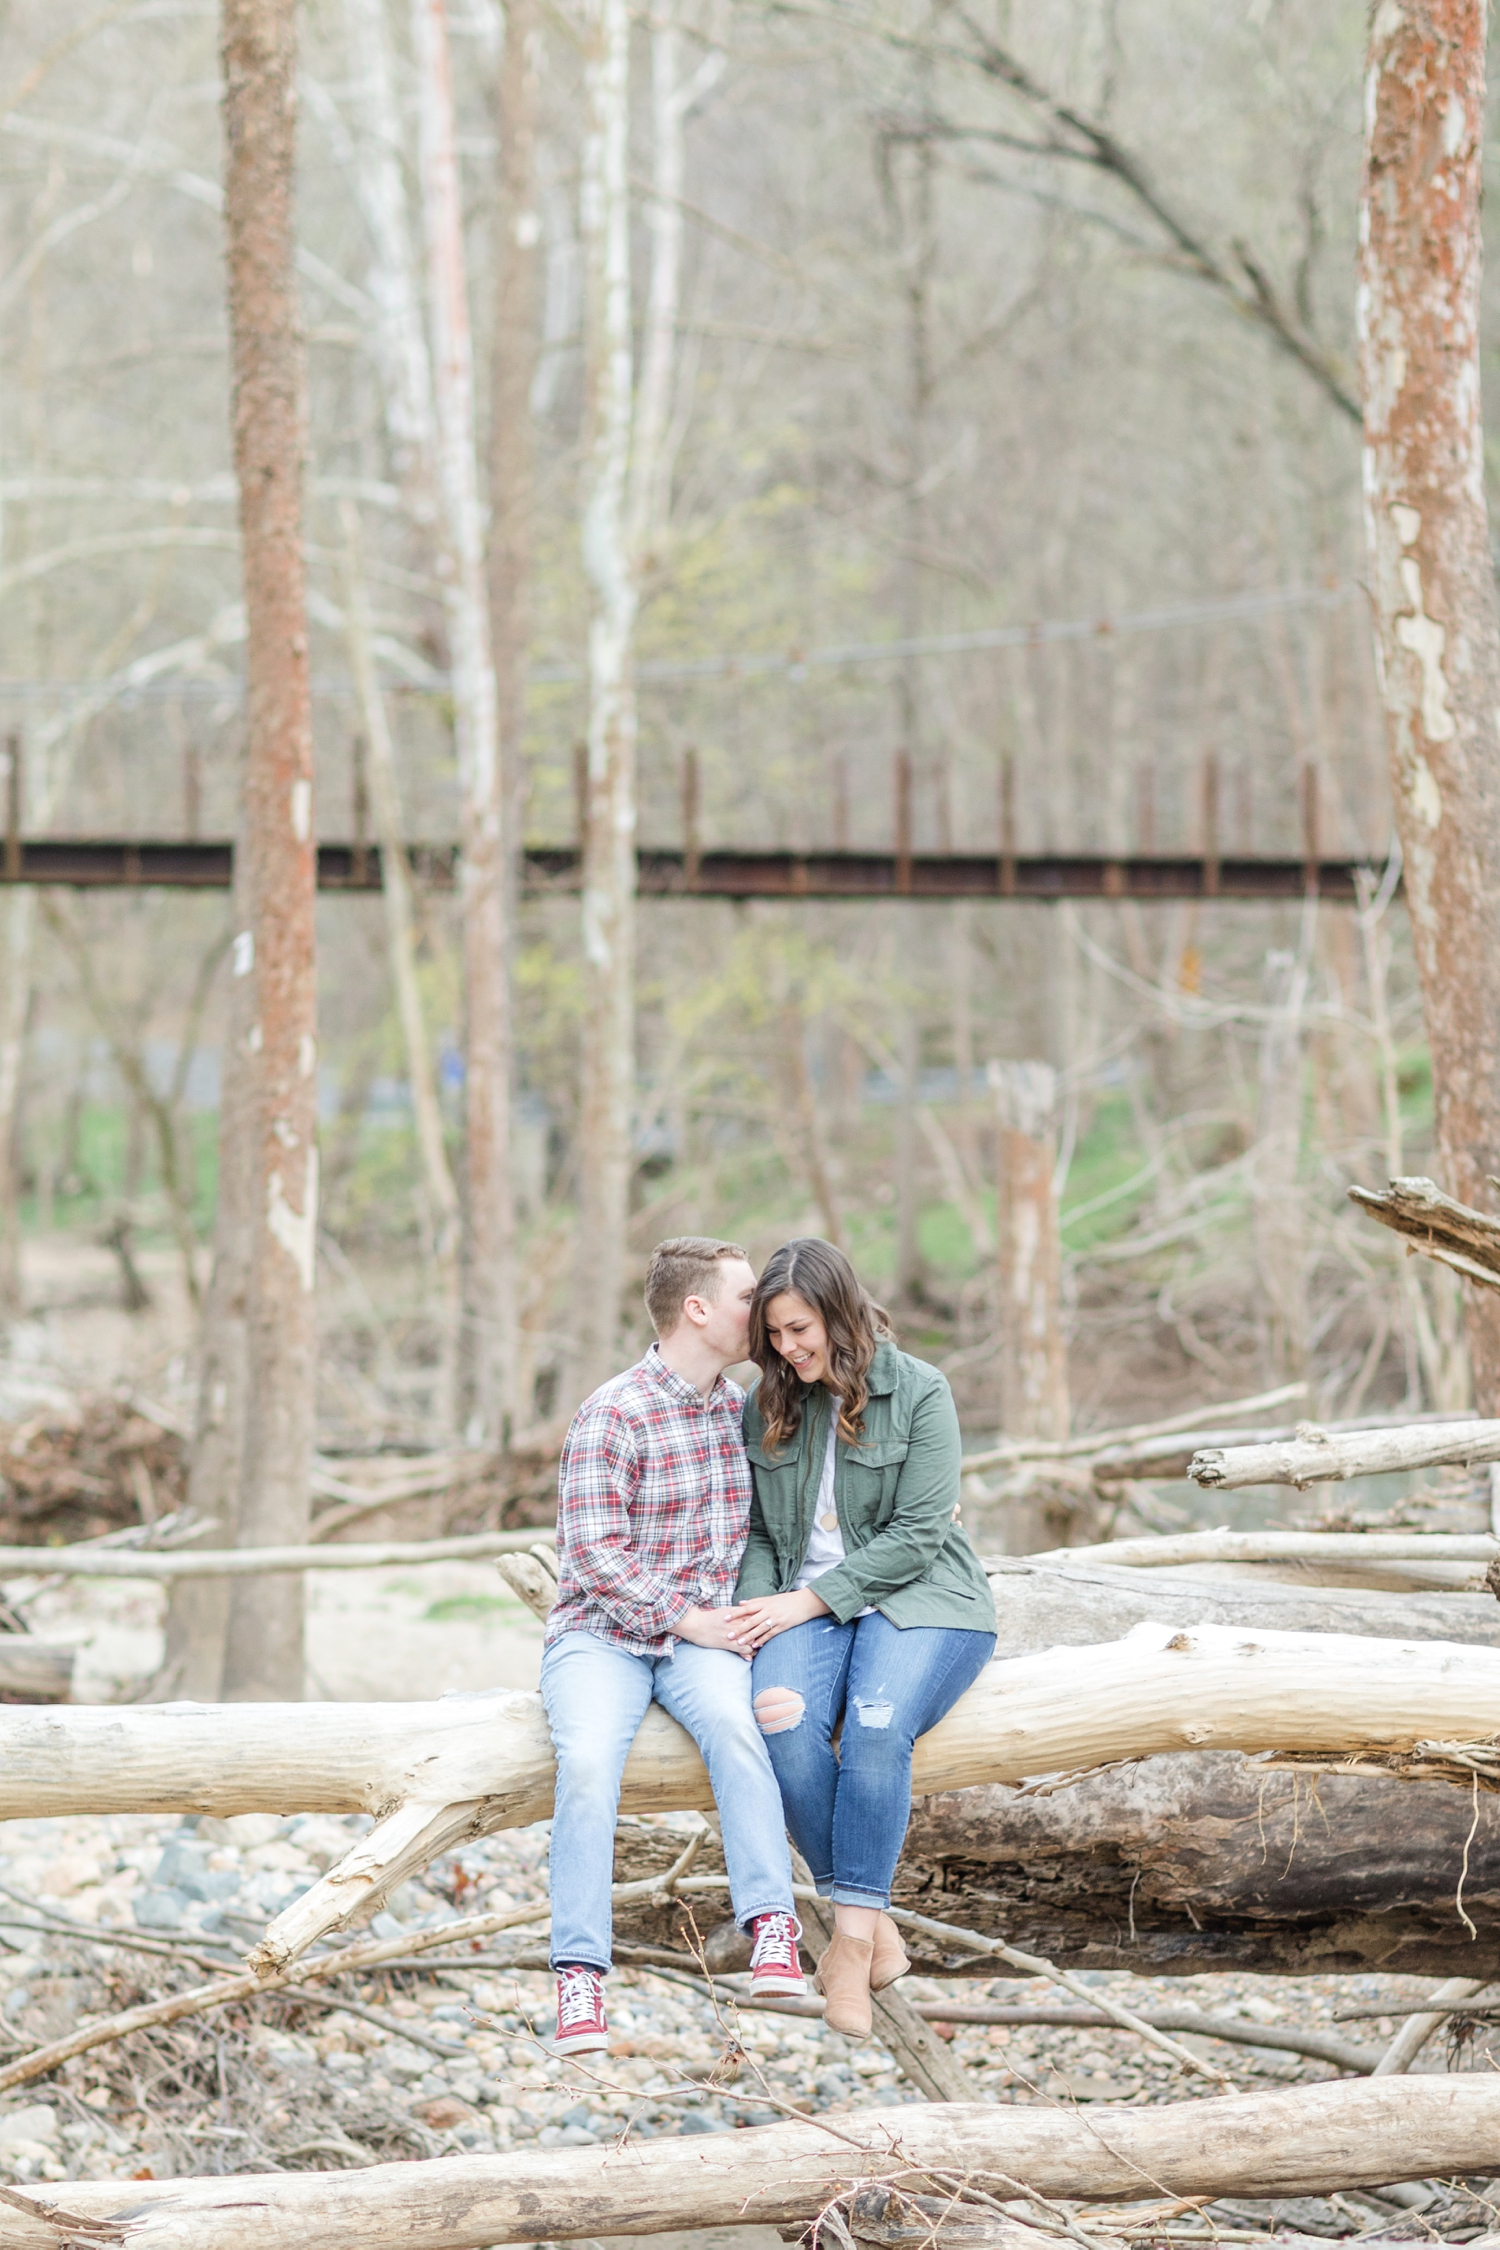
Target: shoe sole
[
  {"x": 766, "y": 1988},
  {"x": 588, "y": 2043}
]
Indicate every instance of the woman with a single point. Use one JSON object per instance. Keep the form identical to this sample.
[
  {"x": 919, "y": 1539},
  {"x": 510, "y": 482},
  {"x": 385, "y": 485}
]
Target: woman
[{"x": 860, "y": 1594}]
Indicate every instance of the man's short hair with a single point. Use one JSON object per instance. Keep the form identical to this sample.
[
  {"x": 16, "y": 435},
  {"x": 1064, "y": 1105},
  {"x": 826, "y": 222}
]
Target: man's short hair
[{"x": 683, "y": 1267}]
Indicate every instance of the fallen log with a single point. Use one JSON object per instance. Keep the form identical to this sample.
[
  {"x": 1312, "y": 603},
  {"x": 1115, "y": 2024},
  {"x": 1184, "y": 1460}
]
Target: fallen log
[
  {"x": 1313, "y": 2140},
  {"x": 1185, "y": 1866},
  {"x": 1177, "y": 1866},
  {"x": 1320, "y": 1457},
  {"x": 1060, "y": 1603},
  {"x": 1165, "y": 1551},
  {"x": 246, "y": 1562},
  {"x": 436, "y": 1774},
  {"x": 35, "y": 1671},
  {"x": 1010, "y": 1452}
]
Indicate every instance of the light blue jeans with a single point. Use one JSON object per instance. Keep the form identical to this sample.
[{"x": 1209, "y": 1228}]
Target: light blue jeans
[
  {"x": 595, "y": 1697},
  {"x": 848, "y": 1810}
]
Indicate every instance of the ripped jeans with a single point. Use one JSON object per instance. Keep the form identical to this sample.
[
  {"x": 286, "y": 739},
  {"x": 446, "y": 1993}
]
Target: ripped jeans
[{"x": 847, "y": 1812}]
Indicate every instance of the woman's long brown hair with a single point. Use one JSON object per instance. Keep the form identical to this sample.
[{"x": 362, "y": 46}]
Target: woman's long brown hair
[{"x": 822, "y": 1275}]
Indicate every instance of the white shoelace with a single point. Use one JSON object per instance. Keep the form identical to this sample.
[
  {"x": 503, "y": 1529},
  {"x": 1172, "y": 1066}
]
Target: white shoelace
[
  {"x": 578, "y": 1997},
  {"x": 776, "y": 1943}
]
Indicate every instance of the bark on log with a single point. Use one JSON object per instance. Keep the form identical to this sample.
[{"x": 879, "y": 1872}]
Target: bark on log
[
  {"x": 1182, "y": 1866},
  {"x": 438, "y": 1773},
  {"x": 1043, "y": 1604},
  {"x": 245, "y": 1562},
  {"x": 1321, "y": 1458},
  {"x": 34, "y": 1670},
  {"x": 1466, "y": 1240},
  {"x": 1178, "y": 1866},
  {"x": 1311, "y": 2141}
]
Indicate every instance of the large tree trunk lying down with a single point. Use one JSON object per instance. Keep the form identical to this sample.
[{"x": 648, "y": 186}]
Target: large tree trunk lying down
[
  {"x": 438, "y": 1773},
  {"x": 1045, "y": 1602},
  {"x": 1174, "y": 1867},
  {"x": 35, "y": 1671},
  {"x": 1314, "y": 2140}
]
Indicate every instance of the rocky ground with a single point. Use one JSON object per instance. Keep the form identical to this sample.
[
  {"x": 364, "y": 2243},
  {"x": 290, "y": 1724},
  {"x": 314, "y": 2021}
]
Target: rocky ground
[{"x": 413, "y": 2063}]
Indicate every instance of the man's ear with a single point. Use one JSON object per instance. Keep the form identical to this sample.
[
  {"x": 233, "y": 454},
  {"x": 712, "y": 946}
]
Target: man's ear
[{"x": 697, "y": 1310}]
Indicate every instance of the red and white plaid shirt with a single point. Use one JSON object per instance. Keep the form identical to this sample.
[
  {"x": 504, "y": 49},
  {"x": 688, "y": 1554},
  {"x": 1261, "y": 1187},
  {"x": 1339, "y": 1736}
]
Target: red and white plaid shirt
[{"x": 653, "y": 1502}]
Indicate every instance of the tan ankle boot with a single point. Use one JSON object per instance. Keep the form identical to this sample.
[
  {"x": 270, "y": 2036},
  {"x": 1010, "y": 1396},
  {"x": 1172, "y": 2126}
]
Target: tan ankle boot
[
  {"x": 843, "y": 1978},
  {"x": 888, "y": 1961}
]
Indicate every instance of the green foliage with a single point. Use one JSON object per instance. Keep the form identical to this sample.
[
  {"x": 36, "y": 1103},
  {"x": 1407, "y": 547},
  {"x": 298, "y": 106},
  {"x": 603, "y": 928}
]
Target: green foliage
[{"x": 464, "y": 1608}]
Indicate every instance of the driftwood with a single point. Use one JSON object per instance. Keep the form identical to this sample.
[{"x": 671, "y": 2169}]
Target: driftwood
[
  {"x": 1308, "y": 2141},
  {"x": 1175, "y": 1866},
  {"x": 1181, "y": 1866},
  {"x": 1318, "y": 1456},
  {"x": 1384, "y": 1562},
  {"x": 1453, "y": 1233},
  {"x": 436, "y": 1774},
  {"x": 1235, "y": 2031},
  {"x": 35, "y": 1671},
  {"x": 246, "y": 1562},
  {"x": 1068, "y": 1603},
  {"x": 1011, "y": 1452}
]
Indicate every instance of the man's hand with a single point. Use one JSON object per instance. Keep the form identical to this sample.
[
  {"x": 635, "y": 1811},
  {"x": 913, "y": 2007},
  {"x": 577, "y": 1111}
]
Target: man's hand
[
  {"x": 713, "y": 1628},
  {"x": 761, "y": 1620}
]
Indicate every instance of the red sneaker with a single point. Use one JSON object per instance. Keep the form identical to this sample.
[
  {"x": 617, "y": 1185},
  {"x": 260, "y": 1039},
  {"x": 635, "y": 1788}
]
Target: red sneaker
[
  {"x": 581, "y": 2028},
  {"x": 774, "y": 1967}
]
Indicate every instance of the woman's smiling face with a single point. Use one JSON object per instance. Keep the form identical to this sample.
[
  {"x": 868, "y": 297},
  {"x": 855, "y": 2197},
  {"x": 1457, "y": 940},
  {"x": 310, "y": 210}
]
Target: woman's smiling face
[{"x": 794, "y": 1329}]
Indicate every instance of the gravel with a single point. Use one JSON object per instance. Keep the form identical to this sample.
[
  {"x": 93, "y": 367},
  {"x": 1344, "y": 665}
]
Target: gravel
[{"x": 304, "y": 2086}]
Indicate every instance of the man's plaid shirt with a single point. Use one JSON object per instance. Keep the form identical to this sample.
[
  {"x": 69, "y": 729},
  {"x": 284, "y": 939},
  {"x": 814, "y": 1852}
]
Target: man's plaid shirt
[{"x": 652, "y": 1509}]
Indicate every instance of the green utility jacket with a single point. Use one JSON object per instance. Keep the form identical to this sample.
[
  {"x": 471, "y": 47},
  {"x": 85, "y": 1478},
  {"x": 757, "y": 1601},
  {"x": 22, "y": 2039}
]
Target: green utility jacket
[{"x": 895, "y": 1493}]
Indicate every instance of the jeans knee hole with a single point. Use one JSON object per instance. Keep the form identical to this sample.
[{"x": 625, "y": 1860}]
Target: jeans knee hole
[
  {"x": 778, "y": 1710},
  {"x": 873, "y": 1714}
]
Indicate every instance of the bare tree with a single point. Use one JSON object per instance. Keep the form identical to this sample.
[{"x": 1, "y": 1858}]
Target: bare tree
[
  {"x": 625, "y": 524},
  {"x": 1437, "y": 623},
  {"x": 489, "y": 1249},
  {"x": 513, "y": 365},
  {"x": 608, "y": 1083},
  {"x": 198, "y": 1608},
  {"x": 439, "y": 1195},
  {"x": 264, "y": 1653}
]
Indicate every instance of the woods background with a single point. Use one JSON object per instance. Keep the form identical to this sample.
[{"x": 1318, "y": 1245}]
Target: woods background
[{"x": 936, "y": 326}]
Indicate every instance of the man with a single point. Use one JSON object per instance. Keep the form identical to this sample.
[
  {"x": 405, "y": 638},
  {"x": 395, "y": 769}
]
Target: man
[{"x": 653, "y": 1506}]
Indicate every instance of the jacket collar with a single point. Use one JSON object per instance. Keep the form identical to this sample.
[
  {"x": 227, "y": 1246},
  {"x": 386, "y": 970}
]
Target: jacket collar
[{"x": 885, "y": 1370}]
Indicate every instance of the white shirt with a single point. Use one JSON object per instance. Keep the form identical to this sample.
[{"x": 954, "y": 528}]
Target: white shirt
[{"x": 825, "y": 1549}]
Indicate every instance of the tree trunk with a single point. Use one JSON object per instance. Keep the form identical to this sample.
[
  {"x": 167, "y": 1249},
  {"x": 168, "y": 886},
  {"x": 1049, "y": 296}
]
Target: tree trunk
[
  {"x": 609, "y": 867},
  {"x": 489, "y": 1249},
  {"x": 399, "y": 338},
  {"x": 1033, "y": 1367},
  {"x": 1437, "y": 624},
  {"x": 439, "y": 1192},
  {"x": 198, "y": 1609},
  {"x": 513, "y": 363},
  {"x": 15, "y": 1008},
  {"x": 264, "y": 1651},
  {"x": 1308, "y": 2140},
  {"x": 1033, "y": 1354}
]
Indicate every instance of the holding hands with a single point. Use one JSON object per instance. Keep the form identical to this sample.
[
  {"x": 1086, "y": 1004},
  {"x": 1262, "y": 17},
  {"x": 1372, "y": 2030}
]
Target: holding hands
[
  {"x": 761, "y": 1619},
  {"x": 746, "y": 1627}
]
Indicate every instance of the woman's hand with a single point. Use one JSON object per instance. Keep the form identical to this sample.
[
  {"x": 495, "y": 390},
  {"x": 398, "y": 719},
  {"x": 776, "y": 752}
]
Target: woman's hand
[{"x": 759, "y": 1621}]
